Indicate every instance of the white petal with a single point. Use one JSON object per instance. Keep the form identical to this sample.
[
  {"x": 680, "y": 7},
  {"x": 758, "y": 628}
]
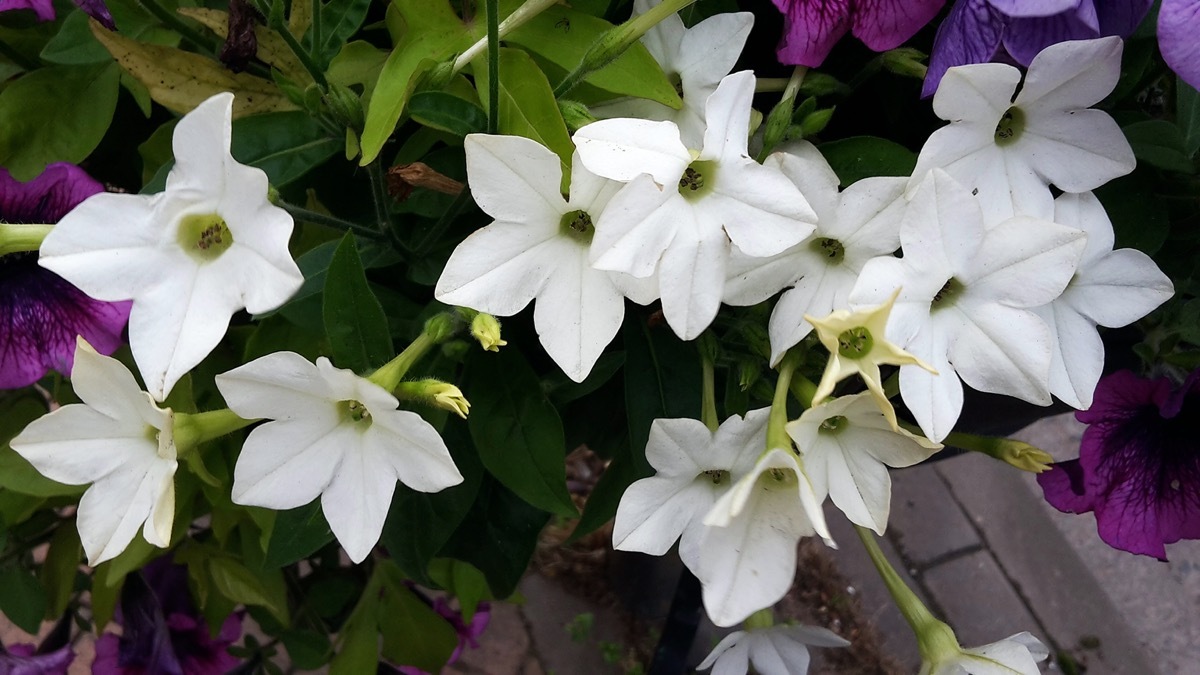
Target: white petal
[
  {"x": 514, "y": 179},
  {"x": 1076, "y": 151},
  {"x": 1119, "y": 288},
  {"x": 750, "y": 280},
  {"x": 578, "y": 312},
  {"x": 357, "y": 500},
  {"x": 1072, "y": 75},
  {"x": 201, "y": 143},
  {"x": 280, "y": 386},
  {"x": 1003, "y": 351},
  {"x": 975, "y": 93},
  {"x": 788, "y": 326},
  {"x": 1078, "y": 357},
  {"x": 412, "y": 447},
  {"x": 638, "y": 224},
  {"x": 810, "y": 172},
  {"x": 935, "y": 400},
  {"x": 258, "y": 265},
  {"x": 869, "y": 216},
  {"x": 774, "y": 654},
  {"x": 1023, "y": 262},
  {"x": 623, "y": 149},
  {"x": 287, "y": 464},
  {"x": 589, "y": 192},
  {"x": 1083, "y": 211},
  {"x": 710, "y": 49},
  {"x": 1005, "y": 657},
  {"x": 500, "y": 268},
  {"x": 942, "y": 227},
  {"x": 107, "y": 386},
  {"x": 664, "y": 39},
  {"x": 77, "y": 444},
  {"x": 760, "y": 209},
  {"x": 727, "y": 114},
  {"x": 114, "y": 508},
  {"x": 726, "y": 644},
  {"x": 157, "y": 530},
  {"x": 655, "y": 511},
  {"x": 692, "y": 277}
]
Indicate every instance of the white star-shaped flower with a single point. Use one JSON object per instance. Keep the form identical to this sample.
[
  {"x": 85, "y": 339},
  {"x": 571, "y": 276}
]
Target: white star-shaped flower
[
  {"x": 775, "y": 650},
  {"x": 1011, "y": 149},
  {"x": 1015, "y": 655},
  {"x": 694, "y": 467},
  {"x": 965, "y": 299},
  {"x": 536, "y": 250},
  {"x": 119, "y": 441},
  {"x": 698, "y": 57},
  {"x": 189, "y": 257},
  {"x": 748, "y": 554},
  {"x": 682, "y": 208},
  {"x": 847, "y": 446},
  {"x": 861, "y": 223},
  {"x": 334, "y": 434},
  {"x": 1111, "y": 288}
]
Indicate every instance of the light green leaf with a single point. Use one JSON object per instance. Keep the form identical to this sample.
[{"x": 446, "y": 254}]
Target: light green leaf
[
  {"x": 414, "y": 634},
  {"x": 265, "y": 589},
  {"x": 60, "y": 568}
]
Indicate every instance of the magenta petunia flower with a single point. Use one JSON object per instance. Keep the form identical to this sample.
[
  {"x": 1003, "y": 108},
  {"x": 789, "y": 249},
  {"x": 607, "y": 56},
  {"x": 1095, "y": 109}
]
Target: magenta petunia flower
[
  {"x": 40, "y": 312},
  {"x": 44, "y": 9},
  {"x": 24, "y": 660},
  {"x": 978, "y": 31},
  {"x": 468, "y": 632},
  {"x": 1139, "y": 464},
  {"x": 812, "y": 27},
  {"x": 1178, "y": 21}
]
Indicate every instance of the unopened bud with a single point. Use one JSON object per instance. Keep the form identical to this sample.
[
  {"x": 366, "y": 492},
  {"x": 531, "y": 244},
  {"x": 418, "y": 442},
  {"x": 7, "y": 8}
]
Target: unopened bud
[
  {"x": 435, "y": 393},
  {"x": 345, "y": 106},
  {"x": 486, "y": 329},
  {"x": 441, "y": 327},
  {"x": 905, "y": 61},
  {"x": 816, "y": 122},
  {"x": 575, "y": 114}
]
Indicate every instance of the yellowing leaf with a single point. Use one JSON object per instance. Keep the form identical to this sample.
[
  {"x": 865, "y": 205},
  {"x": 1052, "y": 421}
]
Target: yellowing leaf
[
  {"x": 272, "y": 50},
  {"x": 180, "y": 80}
]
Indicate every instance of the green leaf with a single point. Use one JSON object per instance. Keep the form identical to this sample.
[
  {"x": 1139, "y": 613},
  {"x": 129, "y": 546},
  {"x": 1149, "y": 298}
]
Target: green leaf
[
  {"x": 298, "y": 533},
  {"x": 60, "y": 568},
  {"x": 1187, "y": 114},
  {"x": 517, "y": 431},
  {"x": 74, "y": 44},
  {"x": 527, "y": 104},
  {"x": 22, "y": 599},
  {"x": 447, "y": 112},
  {"x": 662, "y": 379},
  {"x": 358, "y": 640},
  {"x": 413, "y": 634},
  {"x": 286, "y": 144},
  {"x": 354, "y": 320},
  {"x": 236, "y": 582},
  {"x": 498, "y": 536},
  {"x": 308, "y": 650},
  {"x": 562, "y": 35},
  {"x": 56, "y": 114},
  {"x": 340, "y": 19},
  {"x": 1139, "y": 217},
  {"x": 1159, "y": 143},
  {"x": 864, "y": 156}
]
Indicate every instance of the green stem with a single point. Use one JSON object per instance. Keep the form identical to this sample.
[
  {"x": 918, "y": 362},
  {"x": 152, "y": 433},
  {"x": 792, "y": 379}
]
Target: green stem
[
  {"x": 777, "y": 436},
  {"x": 212, "y": 46},
  {"x": 493, "y": 65},
  {"x": 305, "y": 215},
  {"x": 314, "y": 26},
  {"x": 767, "y": 85},
  {"x": 519, "y": 17},
  {"x": 708, "y": 395},
  {"x": 277, "y": 23},
  {"x": 194, "y": 429},
  {"x": 803, "y": 390},
  {"x": 22, "y": 237},
  {"x": 380, "y": 195},
  {"x": 390, "y": 374}
]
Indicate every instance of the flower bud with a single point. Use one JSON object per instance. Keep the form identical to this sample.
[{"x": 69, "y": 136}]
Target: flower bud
[
  {"x": 575, "y": 114},
  {"x": 345, "y": 106},
  {"x": 435, "y": 393},
  {"x": 905, "y": 61},
  {"x": 486, "y": 329},
  {"x": 441, "y": 327}
]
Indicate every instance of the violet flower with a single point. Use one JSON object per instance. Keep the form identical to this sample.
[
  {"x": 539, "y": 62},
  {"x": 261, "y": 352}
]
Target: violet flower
[
  {"x": 468, "y": 633},
  {"x": 1139, "y": 464},
  {"x": 811, "y": 27},
  {"x": 24, "y": 660},
  {"x": 163, "y": 632},
  {"x": 1178, "y": 21},
  {"x": 40, "y": 312},
  {"x": 978, "y": 31},
  {"x": 44, "y": 9}
]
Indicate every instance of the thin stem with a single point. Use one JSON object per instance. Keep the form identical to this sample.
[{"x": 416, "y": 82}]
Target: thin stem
[
  {"x": 777, "y": 436},
  {"x": 390, "y": 374},
  {"x": 380, "y": 195},
  {"x": 177, "y": 24},
  {"x": 708, "y": 394},
  {"x": 302, "y": 214},
  {"x": 193, "y": 429},
  {"x": 519, "y": 17},
  {"x": 275, "y": 19},
  {"x": 914, "y": 611},
  {"x": 803, "y": 390},
  {"x": 767, "y": 85},
  {"x": 314, "y": 25},
  {"x": 493, "y": 49}
]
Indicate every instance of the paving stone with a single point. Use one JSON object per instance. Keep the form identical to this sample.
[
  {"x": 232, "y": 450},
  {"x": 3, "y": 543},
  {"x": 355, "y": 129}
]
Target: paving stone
[
  {"x": 503, "y": 647},
  {"x": 977, "y": 600},
  {"x": 921, "y": 523},
  {"x": 549, "y": 610}
]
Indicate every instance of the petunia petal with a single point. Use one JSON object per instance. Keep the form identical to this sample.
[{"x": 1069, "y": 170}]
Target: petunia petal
[
  {"x": 47, "y": 197},
  {"x": 1177, "y": 22},
  {"x": 810, "y": 29},
  {"x": 887, "y": 24},
  {"x": 969, "y": 34}
]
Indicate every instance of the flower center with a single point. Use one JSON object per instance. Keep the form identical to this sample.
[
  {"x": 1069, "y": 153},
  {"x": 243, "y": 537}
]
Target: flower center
[
  {"x": 355, "y": 411},
  {"x": 578, "y": 225},
  {"x": 1010, "y": 126},
  {"x": 205, "y": 236},
  {"x": 944, "y": 297},
  {"x": 697, "y": 179},
  {"x": 717, "y": 476},
  {"x": 831, "y": 250},
  {"x": 834, "y": 424},
  {"x": 855, "y": 343}
]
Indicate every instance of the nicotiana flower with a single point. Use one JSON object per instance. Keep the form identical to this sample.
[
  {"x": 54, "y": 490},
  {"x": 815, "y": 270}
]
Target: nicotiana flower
[
  {"x": 1014, "y": 655},
  {"x": 1178, "y": 22},
  {"x": 694, "y": 466},
  {"x": 775, "y": 650},
  {"x": 162, "y": 631},
  {"x": 682, "y": 208},
  {"x": 536, "y": 250},
  {"x": 978, "y": 31},
  {"x": 1009, "y": 150},
  {"x": 859, "y": 224},
  {"x": 812, "y": 27},
  {"x": 334, "y": 434},
  {"x": 188, "y": 257},
  {"x": 964, "y": 301},
  {"x": 847, "y": 446},
  {"x": 748, "y": 553},
  {"x": 1139, "y": 464},
  {"x": 44, "y": 9},
  {"x": 119, "y": 441},
  {"x": 1111, "y": 288},
  {"x": 40, "y": 312},
  {"x": 857, "y": 343},
  {"x": 697, "y": 58}
]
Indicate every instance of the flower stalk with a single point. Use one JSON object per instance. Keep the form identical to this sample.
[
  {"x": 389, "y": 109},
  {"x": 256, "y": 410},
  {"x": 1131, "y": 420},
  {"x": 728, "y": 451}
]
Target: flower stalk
[
  {"x": 21, "y": 237},
  {"x": 1016, "y": 453},
  {"x": 513, "y": 21},
  {"x": 193, "y": 429},
  {"x": 777, "y": 436},
  {"x": 438, "y": 329}
]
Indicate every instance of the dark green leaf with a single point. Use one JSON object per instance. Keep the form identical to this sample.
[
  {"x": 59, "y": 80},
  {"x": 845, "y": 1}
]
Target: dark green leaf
[
  {"x": 562, "y": 390},
  {"x": 339, "y": 20},
  {"x": 308, "y": 650},
  {"x": 286, "y": 145},
  {"x": 358, "y": 641},
  {"x": 74, "y": 44},
  {"x": 1138, "y": 215},
  {"x": 1159, "y": 143},
  {"x": 498, "y": 536},
  {"x": 238, "y": 583},
  {"x": 516, "y": 430},
  {"x": 60, "y": 568},
  {"x": 662, "y": 379},
  {"x": 865, "y": 156},
  {"x": 414, "y": 634},
  {"x": 22, "y": 599},
  {"x": 354, "y": 320},
  {"x": 298, "y": 533},
  {"x": 447, "y": 112},
  {"x": 1187, "y": 114}
]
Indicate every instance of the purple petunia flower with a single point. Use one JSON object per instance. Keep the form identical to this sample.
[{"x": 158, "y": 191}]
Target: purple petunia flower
[
  {"x": 40, "y": 312},
  {"x": 978, "y": 31},
  {"x": 163, "y": 633},
  {"x": 44, "y": 9},
  {"x": 1139, "y": 464},
  {"x": 468, "y": 633},
  {"x": 1178, "y": 21},
  {"x": 811, "y": 27},
  {"x": 24, "y": 660}
]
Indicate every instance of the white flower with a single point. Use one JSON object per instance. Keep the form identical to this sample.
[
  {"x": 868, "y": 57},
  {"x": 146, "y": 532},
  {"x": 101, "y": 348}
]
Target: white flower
[
  {"x": 336, "y": 435},
  {"x": 695, "y": 467},
  {"x": 1111, "y": 288},
  {"x": 698, "y": 56},
  {"x": 537, "y": 249},
  {"x": 681, "y": 208},
  {"x": 1015, "y": 655},
  {"x": 119, "y": 441},
  {"x": 748, "y": 554},
  {"x": 1010, "y": 149},
  {"x": 776, "y": 650},
  {"x": 847, "y": 446},
  {"x": 861, "y": 223},
  {"x": 965, "y": 299},
  {"x": 189, "y": 257}
]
